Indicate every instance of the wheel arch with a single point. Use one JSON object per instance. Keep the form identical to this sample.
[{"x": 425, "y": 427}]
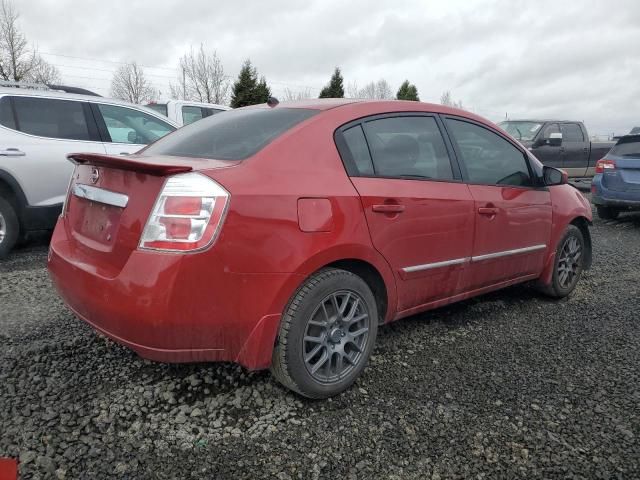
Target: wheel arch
[
  {"x": 10, "y": 189},
  {"x": 583, "y": 224}
]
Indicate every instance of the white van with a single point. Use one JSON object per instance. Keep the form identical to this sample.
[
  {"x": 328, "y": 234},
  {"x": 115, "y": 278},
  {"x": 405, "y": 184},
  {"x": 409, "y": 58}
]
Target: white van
[{"x": 183, "y": 112}]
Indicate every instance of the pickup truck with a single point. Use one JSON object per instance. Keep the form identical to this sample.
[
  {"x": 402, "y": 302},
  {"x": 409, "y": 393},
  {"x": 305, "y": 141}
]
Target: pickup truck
[
  {"x": 559, "y": 143},
  {"x": 184, "y": 112}
]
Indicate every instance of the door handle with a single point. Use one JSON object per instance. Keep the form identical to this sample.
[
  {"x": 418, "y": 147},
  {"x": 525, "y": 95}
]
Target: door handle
[
  {"x": 388, "y": 208},
  {"x": 12, "y": 152},
  {"x": 491, "y": 211}
]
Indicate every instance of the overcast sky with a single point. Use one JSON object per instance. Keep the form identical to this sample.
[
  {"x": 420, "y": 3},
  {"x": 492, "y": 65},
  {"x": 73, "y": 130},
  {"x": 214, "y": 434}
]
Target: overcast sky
[{"x": 575, "y": 59}]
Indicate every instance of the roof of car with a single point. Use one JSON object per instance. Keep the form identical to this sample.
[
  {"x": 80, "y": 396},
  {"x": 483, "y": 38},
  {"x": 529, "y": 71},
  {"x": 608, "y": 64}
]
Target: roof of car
[
  {"x": 30, "y": 92},
  {"x": 539, "y": 120},
  {"x": 189, "y": 102}
]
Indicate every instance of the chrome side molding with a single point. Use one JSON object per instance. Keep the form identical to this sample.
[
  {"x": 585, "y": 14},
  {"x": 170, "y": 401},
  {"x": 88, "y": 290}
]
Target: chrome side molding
[
  {"x": 506, "y": 253},
  {"x": 429, "y": 266},
  {"x": 100, "y": 195},
  {"x": 479, "y": 258}
]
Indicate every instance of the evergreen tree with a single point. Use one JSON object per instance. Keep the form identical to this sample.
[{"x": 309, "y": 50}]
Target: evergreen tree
[
  {"x": 262, "y": 92},
  {"x": 408, "y": 91},
  {"x": 335, "y": 88},
  {"x": 247, "y": 90}
]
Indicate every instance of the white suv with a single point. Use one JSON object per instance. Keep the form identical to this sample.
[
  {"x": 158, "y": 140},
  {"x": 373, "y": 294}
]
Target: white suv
[
  {"x": 38, "y": 128},
  {"x": 184, "y": 112}
]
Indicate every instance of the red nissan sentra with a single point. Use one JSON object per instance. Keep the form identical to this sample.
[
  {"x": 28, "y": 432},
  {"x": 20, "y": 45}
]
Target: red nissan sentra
[{"x": 281, "y": 237}]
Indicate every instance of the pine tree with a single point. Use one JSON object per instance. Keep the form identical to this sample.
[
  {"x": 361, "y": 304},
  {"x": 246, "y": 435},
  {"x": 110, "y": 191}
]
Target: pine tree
[
  {"x": 335, "y": 88},
  {"x": 245, "y": 86},
  {"x": 262, "y": 92},
  {"x": 408, "y": 91}
]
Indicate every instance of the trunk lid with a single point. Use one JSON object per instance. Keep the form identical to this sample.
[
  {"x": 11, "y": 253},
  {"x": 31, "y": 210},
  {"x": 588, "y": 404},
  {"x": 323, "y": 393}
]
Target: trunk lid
[{"x": 110, "y": 199}]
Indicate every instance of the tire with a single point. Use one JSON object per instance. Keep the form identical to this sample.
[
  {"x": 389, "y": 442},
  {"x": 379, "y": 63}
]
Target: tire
[
  {"x": 567, "y": 266},
  {"x": 9, "y": 228},
  {"x": 607, "y": 213},
  {"x": 314, "y": 313}
]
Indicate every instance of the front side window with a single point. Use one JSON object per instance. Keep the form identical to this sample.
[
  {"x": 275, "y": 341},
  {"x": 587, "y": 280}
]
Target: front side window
[
  {"x": 232, "y": 135},
  {"x": 552, "y": 128},
  {"x": 571, "y": 132},
  {"x": 160, "y": 108},
  {"x": 489, "y": 159},
  {"x": 126, "y": 125},
  {"x": 408, "y": 147},
  {"x": 192, "y": 114},
  {"x": 46, "y": 117},
  {"x": 520, "y": 130}
]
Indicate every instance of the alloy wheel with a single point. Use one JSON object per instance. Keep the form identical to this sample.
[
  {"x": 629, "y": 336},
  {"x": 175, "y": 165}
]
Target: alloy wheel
[
  {"x": 3, "y": 228},
  {"x": 570, "y": 262},
  {"x": 336, "y": 336}
]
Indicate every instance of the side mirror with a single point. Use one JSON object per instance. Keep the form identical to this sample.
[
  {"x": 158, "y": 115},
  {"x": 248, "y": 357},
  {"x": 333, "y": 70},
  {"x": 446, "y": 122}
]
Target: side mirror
[
  {"x": 554, "y": 176},
  {"x": 555, "y": 139},
  {"x": 132, "y": 136}
]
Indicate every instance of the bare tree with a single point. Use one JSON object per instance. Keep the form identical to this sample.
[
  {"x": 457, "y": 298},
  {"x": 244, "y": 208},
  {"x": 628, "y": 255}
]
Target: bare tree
[
  {"x": 446, "y": 99},
  {"x": 298, "y": 95},
  {"x": 130, "y": 84},
  {"x": 379, "y": 90},
  {"x": 352, "y": 90},
  {"x": 201, "y": 78},
  {"x": 19, "y": 61}
]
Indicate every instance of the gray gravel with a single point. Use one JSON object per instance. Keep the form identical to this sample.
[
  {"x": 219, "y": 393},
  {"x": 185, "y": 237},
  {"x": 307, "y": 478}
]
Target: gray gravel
[{"x": 507, "y": 385}]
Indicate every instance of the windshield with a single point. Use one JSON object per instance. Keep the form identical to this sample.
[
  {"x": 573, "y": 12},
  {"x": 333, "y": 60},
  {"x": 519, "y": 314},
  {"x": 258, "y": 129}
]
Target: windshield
[
  {"x": 230, "y": 135},
  {"x": 627, "y": 147},
  {"x": 521, "y": 130}
]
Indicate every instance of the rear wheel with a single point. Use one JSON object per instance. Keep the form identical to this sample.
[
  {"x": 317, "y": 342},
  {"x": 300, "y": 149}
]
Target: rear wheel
[
  {"x": 568, "y": 264},
  {"x": 9, "y": 227},
  {"x": 326, "y": 335},
  {"x": 607, "y": 213}
]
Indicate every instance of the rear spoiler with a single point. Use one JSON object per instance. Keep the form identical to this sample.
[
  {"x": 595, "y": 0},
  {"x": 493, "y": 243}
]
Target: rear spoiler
[{"x": 159, "y": 166}]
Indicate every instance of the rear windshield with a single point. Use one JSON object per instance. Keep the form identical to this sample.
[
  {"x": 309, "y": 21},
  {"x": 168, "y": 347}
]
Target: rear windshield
[
  {"x": 230, "y": 135},
  {"x": 627, "y": 147},
  {"x": 159, "y": 107}
]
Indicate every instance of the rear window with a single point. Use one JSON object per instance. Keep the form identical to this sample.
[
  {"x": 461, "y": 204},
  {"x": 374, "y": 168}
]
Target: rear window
[
  {"x": 231, "y": 135},
  {"x": 627, "y": 147}
]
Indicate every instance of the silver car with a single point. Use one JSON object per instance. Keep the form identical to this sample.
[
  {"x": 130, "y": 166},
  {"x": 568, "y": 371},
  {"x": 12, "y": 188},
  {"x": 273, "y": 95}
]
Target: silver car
[{"x": 38, "y": 128}]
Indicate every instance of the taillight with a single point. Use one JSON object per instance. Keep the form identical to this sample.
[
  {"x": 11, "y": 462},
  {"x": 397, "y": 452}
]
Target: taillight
[
  {"x": 605, "y": 164},
  {"x": 65, "y": 204},
  {"x": 187, "y": 215}
]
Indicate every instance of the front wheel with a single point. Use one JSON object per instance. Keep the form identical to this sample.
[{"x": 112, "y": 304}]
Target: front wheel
[
  {"x": 327, "y": 334},
  {"x": 607, "y": 213},
  {"x": 568, "y": 264}
]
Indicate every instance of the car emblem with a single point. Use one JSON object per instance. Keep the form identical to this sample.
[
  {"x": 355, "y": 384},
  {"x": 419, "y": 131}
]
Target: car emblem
[{"x": 95, "y": 175}]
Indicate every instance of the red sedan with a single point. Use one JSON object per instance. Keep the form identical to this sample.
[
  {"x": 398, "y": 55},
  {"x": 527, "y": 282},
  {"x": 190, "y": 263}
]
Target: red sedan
[{"x": 283, "y": 236}]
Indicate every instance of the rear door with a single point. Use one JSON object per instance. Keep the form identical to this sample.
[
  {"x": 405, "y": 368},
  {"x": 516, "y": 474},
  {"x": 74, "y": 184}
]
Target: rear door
[
  {"x": 420, "y": 214},
  {"x": 512, "y": 214},
  {"x": 127, "y": 130},
  {"x": 37, "y": 134},
  {"x": 575, "y": 149}
]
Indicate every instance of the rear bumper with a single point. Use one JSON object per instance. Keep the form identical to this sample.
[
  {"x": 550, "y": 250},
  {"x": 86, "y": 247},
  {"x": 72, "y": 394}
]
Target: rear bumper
[
  {"x": 174, "y": 308},
  {"x": 613, "y": 198},
  {"x": 40, "y": 218}
]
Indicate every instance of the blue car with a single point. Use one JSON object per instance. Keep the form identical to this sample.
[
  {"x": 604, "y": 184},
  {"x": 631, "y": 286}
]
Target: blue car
[{"x": 616, "y": 185}]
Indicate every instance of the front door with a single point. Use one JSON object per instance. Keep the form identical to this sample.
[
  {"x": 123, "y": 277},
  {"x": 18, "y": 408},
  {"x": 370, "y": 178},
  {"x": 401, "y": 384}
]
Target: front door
[
  {"x": 420, "y": 214},
  {"x": 512, "y": 213},
  {"x": 548, "y": 154},
  {"x": 575, "y": 150}
]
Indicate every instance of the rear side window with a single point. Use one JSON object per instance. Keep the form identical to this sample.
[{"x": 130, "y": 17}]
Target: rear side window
[
  {"x": 6, "y": 113},
  {"x": 571, "y": 132},
  {"x": 160, "y": 108},
  {"x": 192, "y": 114},
  {"x": 408, "y": 147},
  {"x": 127, "y": 125},
  {"x": 357, "y": 145},
  {"x": 52, "y": 118},
  {"x": 627, "y": 147},
  {"x": 489, "y": 159},
  {"x": 231, "y": 135}
]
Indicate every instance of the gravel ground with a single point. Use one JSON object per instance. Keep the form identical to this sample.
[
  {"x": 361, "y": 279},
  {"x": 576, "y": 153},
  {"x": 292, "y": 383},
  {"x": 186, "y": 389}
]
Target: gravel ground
[{"x": 507, "y": 385}]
